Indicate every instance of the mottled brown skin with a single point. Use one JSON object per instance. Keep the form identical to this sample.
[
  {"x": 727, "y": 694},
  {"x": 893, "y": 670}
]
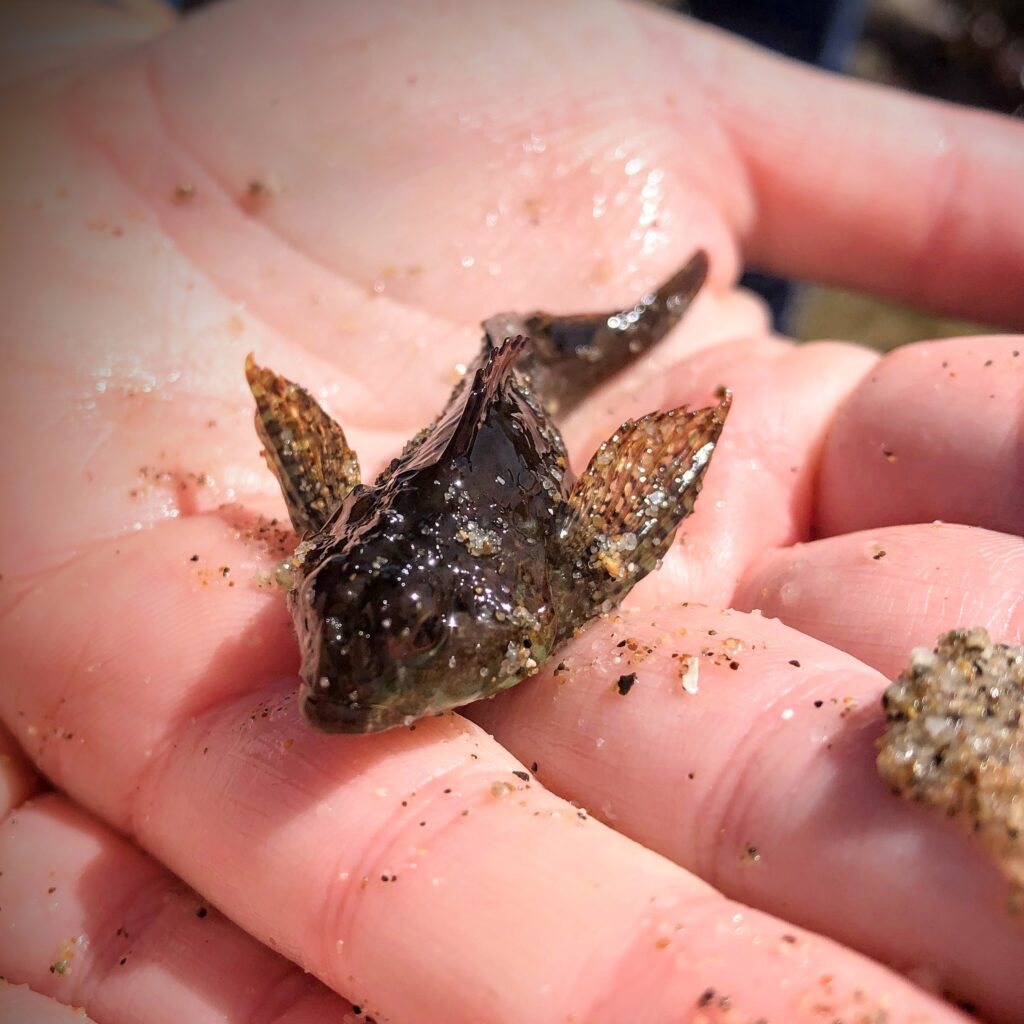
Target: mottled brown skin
[{"x": 475, "y": 554}]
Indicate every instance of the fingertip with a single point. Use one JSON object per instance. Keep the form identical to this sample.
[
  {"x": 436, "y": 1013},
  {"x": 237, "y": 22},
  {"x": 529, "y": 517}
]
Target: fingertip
[
  {"x": 932, "y": 432},
  {"x": 876, "y": 594}
]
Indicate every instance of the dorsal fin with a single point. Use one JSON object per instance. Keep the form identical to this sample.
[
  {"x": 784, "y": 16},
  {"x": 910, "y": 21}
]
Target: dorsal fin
[{"x": 495, "y": 370}]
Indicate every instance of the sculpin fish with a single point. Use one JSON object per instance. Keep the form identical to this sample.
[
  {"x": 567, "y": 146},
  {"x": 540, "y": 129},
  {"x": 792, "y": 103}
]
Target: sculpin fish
[{"x": 476, "y": 553}]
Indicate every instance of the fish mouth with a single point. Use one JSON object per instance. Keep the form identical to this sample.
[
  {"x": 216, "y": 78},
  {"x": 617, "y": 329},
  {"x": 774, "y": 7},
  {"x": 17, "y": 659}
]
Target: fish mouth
[{"x": 331, "y": 715}]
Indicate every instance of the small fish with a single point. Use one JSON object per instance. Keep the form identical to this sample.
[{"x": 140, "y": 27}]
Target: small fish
[{"x": 475, "y": 554}]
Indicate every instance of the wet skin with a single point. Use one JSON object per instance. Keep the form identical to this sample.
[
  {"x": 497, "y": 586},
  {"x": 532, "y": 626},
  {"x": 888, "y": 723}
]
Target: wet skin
[{"x": 475, "y": 554}]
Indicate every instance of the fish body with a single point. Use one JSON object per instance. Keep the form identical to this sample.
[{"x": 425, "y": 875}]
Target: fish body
[{"x": 475, "y": 553}]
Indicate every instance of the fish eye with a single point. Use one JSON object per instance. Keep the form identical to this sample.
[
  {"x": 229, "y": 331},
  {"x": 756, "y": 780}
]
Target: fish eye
[
  {"x": 426, "y": 629},
  {"x": 428, "y": 633}
]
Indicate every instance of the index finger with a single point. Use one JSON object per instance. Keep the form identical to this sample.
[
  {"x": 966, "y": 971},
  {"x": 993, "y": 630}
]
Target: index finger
[{"x": 860, "y": 185}]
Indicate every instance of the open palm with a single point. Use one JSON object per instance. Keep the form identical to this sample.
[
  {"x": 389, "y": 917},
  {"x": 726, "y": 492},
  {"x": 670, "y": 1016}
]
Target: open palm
[{"x": 347, "y": 190}]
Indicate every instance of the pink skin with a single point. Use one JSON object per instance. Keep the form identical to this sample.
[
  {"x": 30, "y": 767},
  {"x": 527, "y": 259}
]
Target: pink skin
[
  {"x": 815, "y": 149},
  {"x": 157, "y": 690},
  {"x": 210, "y": 737},
  {"x": 19, "y": 1003},
  {"x": 892, "y": 429},
  {"x": 124, "y": 929},
  {"x": 750, "y": 760},
  {"x": 899, "y": 586},
  {"x": 17, "y": 779}
]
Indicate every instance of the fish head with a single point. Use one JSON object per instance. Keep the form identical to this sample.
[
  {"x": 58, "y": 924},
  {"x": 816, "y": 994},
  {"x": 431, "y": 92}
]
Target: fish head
[{"x": 393, "y": 630}]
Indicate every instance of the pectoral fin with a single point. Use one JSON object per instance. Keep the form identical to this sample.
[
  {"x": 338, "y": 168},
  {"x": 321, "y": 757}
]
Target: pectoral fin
[
  {"x": 303, "y": 446},
  {"x": 622, "y": 513}
]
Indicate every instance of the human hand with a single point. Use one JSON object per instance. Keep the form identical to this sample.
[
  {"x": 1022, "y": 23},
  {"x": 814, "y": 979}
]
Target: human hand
[{"x": 347, "y": 193}]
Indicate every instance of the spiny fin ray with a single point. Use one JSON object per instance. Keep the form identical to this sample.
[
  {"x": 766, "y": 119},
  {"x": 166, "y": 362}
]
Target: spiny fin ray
[
  {"x": 622, "y": 513},
  {"x": 304, "y": 448},
  {"x": 493, "y": 373}
]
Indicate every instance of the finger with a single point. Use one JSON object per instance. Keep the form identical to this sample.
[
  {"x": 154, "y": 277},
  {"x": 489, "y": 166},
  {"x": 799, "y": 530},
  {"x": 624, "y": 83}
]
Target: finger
[
  {"x": 879, "y": 593},
  {"x": 226, "y": 647},
  {"x": 745, "y": 752},
  {"x": 936, "y": 431},
  {"x": 18, "y": 1003},
  {"x": 759, "y": 489},
  {"x": 91, "y": 921},
  {"x": 862, "y": 186},
  {"x": 314, "y": 843}
]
